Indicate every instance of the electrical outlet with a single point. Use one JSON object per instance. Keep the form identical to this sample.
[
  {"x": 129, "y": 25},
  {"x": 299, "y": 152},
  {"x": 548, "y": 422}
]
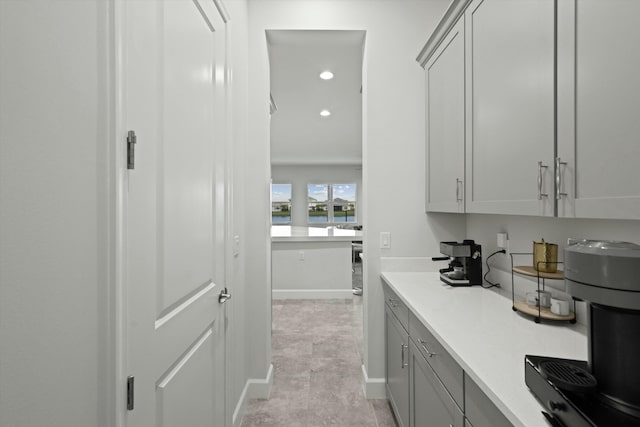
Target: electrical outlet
[
  {"x": 301, "y": 256},
  {"x": 385, "y": 240},
  {"x": 502, "y": 241}
]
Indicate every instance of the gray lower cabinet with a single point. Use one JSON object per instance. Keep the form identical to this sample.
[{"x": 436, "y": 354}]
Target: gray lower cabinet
[
  {"x": 479, "y": 410},
  {"x": 430, "y": 404},
  {"x": 425, "y": 385},
  {"x": 397, "y": 367}
]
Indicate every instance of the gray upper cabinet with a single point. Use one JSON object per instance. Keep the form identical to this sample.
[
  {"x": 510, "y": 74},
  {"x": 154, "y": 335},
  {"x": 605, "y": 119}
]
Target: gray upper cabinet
[
  {"x": 551, "y": 100},
  {"x": 598, "y": 109},
  {"x": 445, "y": 124},
  {"x": 510, "y": 109}
]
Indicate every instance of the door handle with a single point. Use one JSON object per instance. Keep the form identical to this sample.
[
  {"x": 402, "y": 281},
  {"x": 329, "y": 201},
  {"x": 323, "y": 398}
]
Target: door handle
[{"x": 224, "y": 296}]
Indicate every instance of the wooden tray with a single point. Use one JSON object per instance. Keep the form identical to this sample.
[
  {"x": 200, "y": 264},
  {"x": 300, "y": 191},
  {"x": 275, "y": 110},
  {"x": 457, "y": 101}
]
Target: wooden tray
[
  {"x": 545, "y": 313},
  {"x": 528, "y": 270}
]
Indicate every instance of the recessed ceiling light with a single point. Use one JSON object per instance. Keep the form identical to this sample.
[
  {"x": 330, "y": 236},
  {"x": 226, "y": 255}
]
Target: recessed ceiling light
[
  {"x": 326, "y": 75},
  {"x": 325, "y": 113}
]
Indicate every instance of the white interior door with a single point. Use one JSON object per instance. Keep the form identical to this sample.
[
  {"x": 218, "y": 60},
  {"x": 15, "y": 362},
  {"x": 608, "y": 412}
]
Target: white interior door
[{"x": 175, "y": 324}]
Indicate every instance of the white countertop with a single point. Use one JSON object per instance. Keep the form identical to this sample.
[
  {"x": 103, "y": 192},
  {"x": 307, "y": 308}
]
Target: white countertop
[
  {"x": 287, "y": 233},
  {"x": 488, "y": 339}
]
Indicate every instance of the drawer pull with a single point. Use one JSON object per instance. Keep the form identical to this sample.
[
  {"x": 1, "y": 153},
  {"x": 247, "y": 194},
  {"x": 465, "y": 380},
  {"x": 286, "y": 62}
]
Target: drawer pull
[
  {"x": 430, "y": 354},
  {"x": 402, "y": 347},
  {"x": 392, "y": 302}
]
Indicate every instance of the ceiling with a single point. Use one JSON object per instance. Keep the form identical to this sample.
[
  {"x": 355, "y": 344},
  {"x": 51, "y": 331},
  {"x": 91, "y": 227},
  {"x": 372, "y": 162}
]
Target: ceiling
[{"x": 299, "y": 135}]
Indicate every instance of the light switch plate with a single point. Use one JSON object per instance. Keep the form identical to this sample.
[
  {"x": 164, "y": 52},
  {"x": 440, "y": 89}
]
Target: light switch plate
[
  {"x": 385, "y": 240},
  {"x": 236, "y": 245}
]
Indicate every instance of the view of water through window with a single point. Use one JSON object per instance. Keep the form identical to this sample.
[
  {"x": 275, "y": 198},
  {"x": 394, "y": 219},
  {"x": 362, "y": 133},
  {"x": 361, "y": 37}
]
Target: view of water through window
[
  {"x": 326, "y": 203},
  {"x": 281, "y": 203}
]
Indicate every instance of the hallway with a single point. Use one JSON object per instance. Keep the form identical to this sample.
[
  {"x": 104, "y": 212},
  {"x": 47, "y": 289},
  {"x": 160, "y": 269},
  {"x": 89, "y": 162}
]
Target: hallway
[{"x": 317, "y": 358}]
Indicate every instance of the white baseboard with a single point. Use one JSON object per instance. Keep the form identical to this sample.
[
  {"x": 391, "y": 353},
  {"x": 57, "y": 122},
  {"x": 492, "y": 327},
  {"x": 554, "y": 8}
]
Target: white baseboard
[
  {"x": 374, "y": 388},
  {"x": 312, "y": 293},
  {"x": 253, "y": 389},
  {"x": 260, "y": 389}
]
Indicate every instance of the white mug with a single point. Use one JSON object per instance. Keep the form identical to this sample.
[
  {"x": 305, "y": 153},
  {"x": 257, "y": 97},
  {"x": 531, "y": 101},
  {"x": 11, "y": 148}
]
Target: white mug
[
  {"x": 559, "y": 306},
  {"x": 544, "y": 298}
]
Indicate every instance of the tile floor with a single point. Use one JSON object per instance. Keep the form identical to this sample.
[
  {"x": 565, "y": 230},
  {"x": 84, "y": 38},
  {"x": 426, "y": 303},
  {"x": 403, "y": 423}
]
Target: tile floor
[{"x": 317, "y": 358}]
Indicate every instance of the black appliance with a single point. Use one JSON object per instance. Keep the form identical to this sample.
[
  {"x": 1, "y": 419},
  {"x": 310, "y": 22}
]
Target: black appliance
[
  {"x": 604, "y": 390},
  {"x": 465, "y": 266}
]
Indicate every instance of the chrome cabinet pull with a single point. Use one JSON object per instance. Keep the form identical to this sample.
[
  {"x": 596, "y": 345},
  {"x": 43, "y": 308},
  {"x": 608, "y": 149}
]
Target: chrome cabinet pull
[
  {"x": 458, "y": 182},
  {"x": 422, "y": 343},
  {"x": 541, "y": 195},
  {"x": 402, "y": 364},
  {"x": 392, "y": 303},
  {"x": 559, "y": 193}
]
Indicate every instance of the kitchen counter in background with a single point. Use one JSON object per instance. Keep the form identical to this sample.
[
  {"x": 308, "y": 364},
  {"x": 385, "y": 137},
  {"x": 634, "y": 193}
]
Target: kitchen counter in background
[
  {"x": 488, "y": 339},
  {"x": 312, "y": 262},
  {"x": 287, "y": 233}
]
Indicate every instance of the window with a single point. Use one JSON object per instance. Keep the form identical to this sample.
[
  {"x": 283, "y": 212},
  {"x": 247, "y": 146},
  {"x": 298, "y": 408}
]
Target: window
[
  {"x": 281, "y": 203},
  {"x": 331, "y": 203}
]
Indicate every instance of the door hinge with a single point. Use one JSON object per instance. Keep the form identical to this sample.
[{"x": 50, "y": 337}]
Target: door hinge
[
  {"x": 131, "y": 150},
  {"x": 130, "y": 392}
]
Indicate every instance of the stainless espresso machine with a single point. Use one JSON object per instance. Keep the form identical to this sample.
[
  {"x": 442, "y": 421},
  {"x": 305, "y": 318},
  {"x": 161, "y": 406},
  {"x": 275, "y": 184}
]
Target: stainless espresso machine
[
  {"x": 605, "y": 390},
  {"x": 465, "y": 266}
]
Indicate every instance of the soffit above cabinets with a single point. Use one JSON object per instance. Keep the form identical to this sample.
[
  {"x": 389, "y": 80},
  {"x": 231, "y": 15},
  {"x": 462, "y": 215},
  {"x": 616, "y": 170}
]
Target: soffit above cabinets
[{"x": 299, "y": 134}]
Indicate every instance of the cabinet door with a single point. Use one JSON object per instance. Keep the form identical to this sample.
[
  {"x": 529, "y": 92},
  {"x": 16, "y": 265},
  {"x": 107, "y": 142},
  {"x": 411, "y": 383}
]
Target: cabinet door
[
  {"x": 445, "y": 124},
  {"x": 598, "y": 103},
  {"x": 479, "y": 410},
  {"x": 430, "y": 403},
  {"x": 510, "y": 109},
  {"x": 397, "y": 371}
]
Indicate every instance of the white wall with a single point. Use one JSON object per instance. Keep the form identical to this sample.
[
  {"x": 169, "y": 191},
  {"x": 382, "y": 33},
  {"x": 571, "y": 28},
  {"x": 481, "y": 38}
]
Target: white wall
[
  {"x": 239, "y": 332},
  {"x": 57, "y": 211},
  {"x": 393, "y": 131},
  {"x": 523, "y": 230},
  {"x": 257, "y": 230},
  {"x": 56, "y": 283},
  {"x": 300, "y": 176}
]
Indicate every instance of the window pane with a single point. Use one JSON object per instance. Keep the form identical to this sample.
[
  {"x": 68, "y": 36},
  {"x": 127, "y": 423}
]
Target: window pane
[
  {"x": 317, "y": 198},
  {"x": 344, "y": 203},
  {"x": 344, "y": 193},
  {"x": 318, "y": 192},
  {"x": 281, "y": 203},
  {"x": 318, "y": 212}
]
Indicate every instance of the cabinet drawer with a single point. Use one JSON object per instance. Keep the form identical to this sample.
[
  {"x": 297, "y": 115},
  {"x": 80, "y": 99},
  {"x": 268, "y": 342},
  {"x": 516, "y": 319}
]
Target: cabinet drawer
[
  {"x": 479, "y": 410},
  {"x": 430, "y": 404},
  {"x": 396, "y": 305},
  {"x": 447, "y": 369}
]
